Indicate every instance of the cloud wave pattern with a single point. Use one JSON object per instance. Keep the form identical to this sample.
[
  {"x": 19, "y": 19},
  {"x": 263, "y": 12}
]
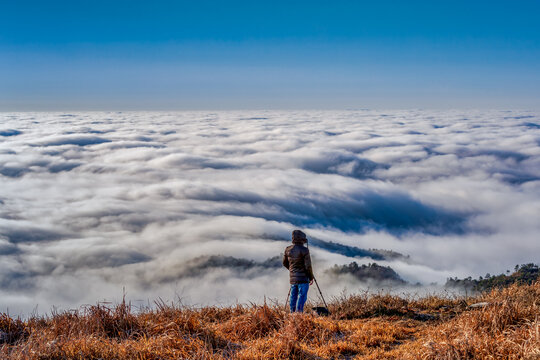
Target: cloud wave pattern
[{"x": 92, "y": 202}]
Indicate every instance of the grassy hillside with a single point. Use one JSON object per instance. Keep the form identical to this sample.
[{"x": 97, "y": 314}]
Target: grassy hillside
[{"x": 361, "y": 326}]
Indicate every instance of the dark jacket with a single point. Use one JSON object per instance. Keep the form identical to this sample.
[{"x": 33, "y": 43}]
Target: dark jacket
[{"x": 298, "y": 261}]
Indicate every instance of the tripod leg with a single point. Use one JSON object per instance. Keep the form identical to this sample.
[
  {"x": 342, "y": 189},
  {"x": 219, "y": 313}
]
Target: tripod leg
[
  {"x": 287, "y": 301},
  {"x": 320, "y": 292}
]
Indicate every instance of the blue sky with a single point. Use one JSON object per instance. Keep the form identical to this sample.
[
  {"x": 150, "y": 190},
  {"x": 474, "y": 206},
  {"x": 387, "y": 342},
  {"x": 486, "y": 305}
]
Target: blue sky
[{"x": 121, "y": 55}]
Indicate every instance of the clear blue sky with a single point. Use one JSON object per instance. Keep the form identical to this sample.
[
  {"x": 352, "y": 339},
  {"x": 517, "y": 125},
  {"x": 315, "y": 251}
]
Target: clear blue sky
[{"x": 121, "y": 55}]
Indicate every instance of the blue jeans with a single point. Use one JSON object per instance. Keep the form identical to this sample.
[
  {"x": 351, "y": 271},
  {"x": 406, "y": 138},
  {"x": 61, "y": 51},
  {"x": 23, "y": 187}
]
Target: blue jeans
[{"x": 298, "y": 296}]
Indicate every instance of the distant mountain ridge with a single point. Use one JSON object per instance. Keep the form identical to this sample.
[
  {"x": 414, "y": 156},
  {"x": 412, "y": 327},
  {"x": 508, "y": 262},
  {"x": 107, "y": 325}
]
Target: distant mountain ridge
[
  {"x": 524, "y": 274},
  {"x": 369, "y": 272}
]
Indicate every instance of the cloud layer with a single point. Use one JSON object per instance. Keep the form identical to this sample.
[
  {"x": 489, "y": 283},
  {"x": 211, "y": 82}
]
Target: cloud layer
[{"x": 93, "y": 202}]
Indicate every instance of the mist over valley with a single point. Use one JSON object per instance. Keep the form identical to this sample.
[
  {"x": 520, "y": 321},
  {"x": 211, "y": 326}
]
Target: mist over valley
[{"x": 199, "y": 206}]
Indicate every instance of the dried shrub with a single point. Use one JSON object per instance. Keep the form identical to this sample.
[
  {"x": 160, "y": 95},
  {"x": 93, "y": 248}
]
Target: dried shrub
[
  {"x": 12, "y": 330},
  {"x": 362, "y": 327},
  {"x": 309, "y": 329},
  {"x": 257, "y": 322},
  {"x": 365, "y": 306},
  {"x": 438, "y": 303},
  {"x": 505, "y": 329},
  {"x": 113, "y": 322},
  {"x": 275, "y": 347}
]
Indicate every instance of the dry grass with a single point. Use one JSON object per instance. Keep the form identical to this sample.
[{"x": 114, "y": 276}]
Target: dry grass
[{"x": 361, "y": 327}]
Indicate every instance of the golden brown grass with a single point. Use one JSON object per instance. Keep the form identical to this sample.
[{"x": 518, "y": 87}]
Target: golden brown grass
[{"x": 361, "y": 327}]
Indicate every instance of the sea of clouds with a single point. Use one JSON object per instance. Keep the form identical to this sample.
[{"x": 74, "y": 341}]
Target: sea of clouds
[{"x": 95, "y": 202}]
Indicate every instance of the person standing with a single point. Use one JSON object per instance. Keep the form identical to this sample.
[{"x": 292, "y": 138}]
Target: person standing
[{"x": 297, "y": 260}]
